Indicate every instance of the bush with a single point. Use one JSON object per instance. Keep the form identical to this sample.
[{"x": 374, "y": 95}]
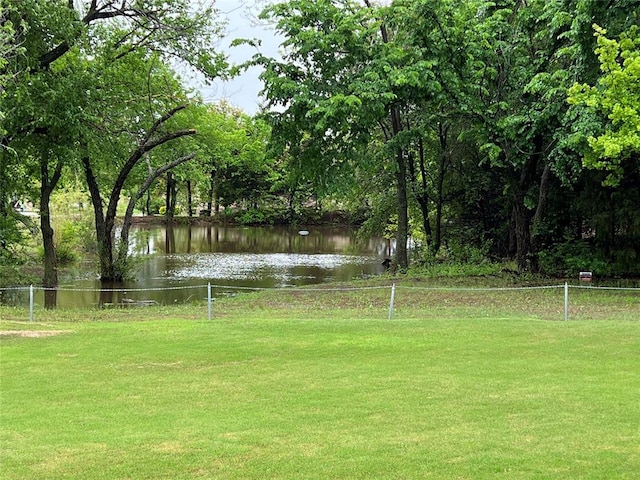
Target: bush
[
  {"x": 456, "y": 259},
  {"x": 73, "y": 238},
  {"x": 255, "y": 216},
  {"x": 570, "y": 258},
  {"x": 163, "y": 210}
]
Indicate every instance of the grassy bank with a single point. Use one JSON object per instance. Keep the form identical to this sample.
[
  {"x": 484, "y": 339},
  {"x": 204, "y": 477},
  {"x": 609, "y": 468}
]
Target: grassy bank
[{"x": 289, "y": 385}]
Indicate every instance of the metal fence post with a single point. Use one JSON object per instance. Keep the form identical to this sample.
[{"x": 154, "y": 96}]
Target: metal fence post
[
  {"x": 566, "y": 301},
  {"x": 393, "y": 294},
  {"x": 31, "y": 303},
  {"x": 209, "y": 300}
]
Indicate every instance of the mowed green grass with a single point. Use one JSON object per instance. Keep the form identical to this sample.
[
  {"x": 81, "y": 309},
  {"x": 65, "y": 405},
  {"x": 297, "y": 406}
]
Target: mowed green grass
[{"x": 288, "y": 386}]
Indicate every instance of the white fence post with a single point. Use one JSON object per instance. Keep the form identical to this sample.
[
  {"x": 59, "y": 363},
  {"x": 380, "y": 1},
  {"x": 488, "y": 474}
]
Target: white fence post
[
  {"x": 566, "y": 301},
  {"x": 209, "y": 300},
  {"x": 393, "y": 294},
  {"x": 31, "y": 303}
]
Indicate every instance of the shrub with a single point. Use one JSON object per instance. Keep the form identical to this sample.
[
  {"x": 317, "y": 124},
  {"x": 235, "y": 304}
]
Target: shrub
[
  {"x": 255, "y": 216},
  {"x": 571, "y": 257},
  {"x": 73, "y": 238},
  {"x": 455, "y": 259}
]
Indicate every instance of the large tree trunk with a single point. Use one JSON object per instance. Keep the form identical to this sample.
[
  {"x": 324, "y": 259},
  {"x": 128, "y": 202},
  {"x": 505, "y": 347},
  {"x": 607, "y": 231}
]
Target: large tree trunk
[
  {"x": 402, "y": 234},
  {"x": 103, "y": 235},
  {"x": 47, "y": 185},
  {"x": 522, "y": 231},
  {"x": 50, "y": 278}
]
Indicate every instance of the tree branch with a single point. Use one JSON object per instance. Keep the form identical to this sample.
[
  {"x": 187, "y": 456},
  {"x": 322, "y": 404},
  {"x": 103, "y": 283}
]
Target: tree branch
[
  {"x": 147, "y": 144},
  {"x": 25, "y": 220},
  {"x": 153, "y": 175},
  {"x": 156, "y": 125},
  {"x": 94, "y": 13}
]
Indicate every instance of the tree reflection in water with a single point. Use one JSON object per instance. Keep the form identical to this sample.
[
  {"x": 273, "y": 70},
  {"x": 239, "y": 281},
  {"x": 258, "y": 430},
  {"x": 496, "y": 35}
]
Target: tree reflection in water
[{"x": 175, "y": 264}]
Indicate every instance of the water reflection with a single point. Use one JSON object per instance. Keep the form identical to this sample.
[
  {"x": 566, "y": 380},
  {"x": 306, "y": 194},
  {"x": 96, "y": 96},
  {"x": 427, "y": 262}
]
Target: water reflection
[
  {"x": 187, "y": 258},
  {"x": 209, "y": 239}
]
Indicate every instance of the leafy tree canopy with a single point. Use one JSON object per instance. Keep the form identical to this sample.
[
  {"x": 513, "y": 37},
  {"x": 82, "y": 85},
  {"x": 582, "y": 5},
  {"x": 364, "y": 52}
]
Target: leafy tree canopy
[{"x": 616, "y": 99}]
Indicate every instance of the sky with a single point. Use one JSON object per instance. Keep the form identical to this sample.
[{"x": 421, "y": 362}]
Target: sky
[{"x": 243, "y": 91}]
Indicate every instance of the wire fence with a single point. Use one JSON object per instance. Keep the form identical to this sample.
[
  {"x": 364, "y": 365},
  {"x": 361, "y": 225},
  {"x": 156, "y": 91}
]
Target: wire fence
[{"x": 38, "y": 297}]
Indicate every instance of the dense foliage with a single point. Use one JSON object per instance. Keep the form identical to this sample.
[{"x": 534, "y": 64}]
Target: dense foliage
[
  {"x": 465, "y": 105},
  {"x": 479, "y": 129}
]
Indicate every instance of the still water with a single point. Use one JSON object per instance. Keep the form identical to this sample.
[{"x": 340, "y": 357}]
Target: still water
[{"x": 187, "y": 258}]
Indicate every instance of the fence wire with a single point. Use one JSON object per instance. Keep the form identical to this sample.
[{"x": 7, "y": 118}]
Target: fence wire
[
  {"x": 312, "y": 289},
  {"x": 125, "y": 301}
]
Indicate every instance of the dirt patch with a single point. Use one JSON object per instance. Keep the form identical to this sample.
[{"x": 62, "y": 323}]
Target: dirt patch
[{"x": 32, "y": 333}]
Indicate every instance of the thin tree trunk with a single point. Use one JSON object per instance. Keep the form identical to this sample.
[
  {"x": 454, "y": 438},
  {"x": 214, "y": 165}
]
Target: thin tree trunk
[
  {"x": 421, "y": 195},
  {"x": 443, "y": 164},
  {"x": 189, "y": 199},
  {"x": 536, "y": 223},
  {"x": 174, "y": 197},
  {"x": 215, "y": 192},
  {"x": 150, "y": 172},
  {"x": 442, "y": 169},
  {"x": 522, "y": 217},
  {"x": 212, "y": 192},
  {"x": 168, "y": 198},
  {"x": 437, "y": 235}
]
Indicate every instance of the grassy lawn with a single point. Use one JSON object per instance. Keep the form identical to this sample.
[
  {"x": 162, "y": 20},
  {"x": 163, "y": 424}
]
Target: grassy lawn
[{"x": 288, "y": 385}]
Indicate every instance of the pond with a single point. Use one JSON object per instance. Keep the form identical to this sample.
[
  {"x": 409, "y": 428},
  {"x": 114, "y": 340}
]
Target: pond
[{"x": 175, "y": 265}]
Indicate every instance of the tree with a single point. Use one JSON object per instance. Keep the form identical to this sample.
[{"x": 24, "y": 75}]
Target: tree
[
  {"x": 9, "y": 48},
  {"x": 39, "y": 125},
  {"x": 13, "y": 181},
  {"x": 518, "y": 78},
  {"x": 436, "y": 34},
  {"x": 70, "y": 46},
  {"x": 233, "y": 156},
  {"x": 346, "y": 87},
  {"x": 113, "y": 267},
  {"x": 616, "y": 99}
]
